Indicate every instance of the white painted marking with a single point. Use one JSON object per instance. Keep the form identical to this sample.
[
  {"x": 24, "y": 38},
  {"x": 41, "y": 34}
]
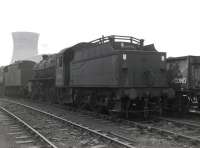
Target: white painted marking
[
  {"x": 24, "y": 142},
  {"x": 99, "y": 146},
  {"x": 14, "y": 127},
  {"x": 22, "y": 137},
  {"x": 115, "y": 138},
  {"x": 15, "y": 133},
  {"x": 5, "y": 119}
]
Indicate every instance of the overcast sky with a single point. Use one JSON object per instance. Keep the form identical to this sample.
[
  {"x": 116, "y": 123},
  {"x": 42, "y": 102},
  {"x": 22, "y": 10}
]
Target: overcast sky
[{"x": 172, "y": 25}]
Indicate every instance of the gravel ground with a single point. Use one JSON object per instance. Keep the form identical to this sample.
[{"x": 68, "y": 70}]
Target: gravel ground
[
  {"x": 13, "y": 135},
  {"x": 142, "y": 138},
  {"x": 6, "y": 141},
  {"x": 173, "y": 127},
  {"x": 60, "y": 134}
]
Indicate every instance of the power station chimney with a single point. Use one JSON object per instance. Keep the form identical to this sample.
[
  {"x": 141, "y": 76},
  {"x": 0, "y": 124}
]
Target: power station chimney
[{"x": 25, "y": 45}]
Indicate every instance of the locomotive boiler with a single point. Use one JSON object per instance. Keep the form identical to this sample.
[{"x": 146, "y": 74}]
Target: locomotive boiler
[{"x": 43, "y": 81}]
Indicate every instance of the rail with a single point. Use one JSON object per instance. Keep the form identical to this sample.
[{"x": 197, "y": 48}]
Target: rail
[
  {"x": 51, "y": 145},
  {"x": 160, "y": 130},
  {"x": 178, "y": 121},
  {"x": 95, "y": 132},
  {"x": 104, "y": 135}
]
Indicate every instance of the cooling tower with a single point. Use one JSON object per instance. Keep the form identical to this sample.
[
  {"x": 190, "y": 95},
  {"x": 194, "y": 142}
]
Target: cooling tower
[{"x": 25, "y": 45}]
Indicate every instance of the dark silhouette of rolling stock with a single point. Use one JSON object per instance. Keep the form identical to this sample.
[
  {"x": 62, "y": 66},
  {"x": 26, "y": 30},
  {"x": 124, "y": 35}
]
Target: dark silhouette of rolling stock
[
  {"x": 16, "y": 78},
  {"x": 113, "y": 74},
  {"x": 1, "y": 81},
  {"x": 184, "y": 77},
  {"x": 43, "y": 81}
]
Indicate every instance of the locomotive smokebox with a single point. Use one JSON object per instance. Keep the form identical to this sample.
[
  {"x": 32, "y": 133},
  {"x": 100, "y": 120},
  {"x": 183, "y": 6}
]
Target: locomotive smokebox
[{"x": 25, "y": 45}]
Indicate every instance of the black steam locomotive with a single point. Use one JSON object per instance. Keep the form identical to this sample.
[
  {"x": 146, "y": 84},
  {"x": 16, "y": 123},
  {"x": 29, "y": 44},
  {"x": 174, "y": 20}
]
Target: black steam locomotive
[
  {"x": 111, "y": 74},
  {"x": 16, "y": 78},
  {"x": 115, "y": 73}
]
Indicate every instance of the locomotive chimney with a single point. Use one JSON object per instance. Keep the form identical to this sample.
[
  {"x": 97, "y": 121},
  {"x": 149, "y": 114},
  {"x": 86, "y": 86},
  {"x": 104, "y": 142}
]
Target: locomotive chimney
[{"x": 25, "y": 45}]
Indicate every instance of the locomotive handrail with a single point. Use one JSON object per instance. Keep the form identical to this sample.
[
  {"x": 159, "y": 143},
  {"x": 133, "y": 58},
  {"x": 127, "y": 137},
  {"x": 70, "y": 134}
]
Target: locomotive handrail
[{"x": 117, "y": 38}]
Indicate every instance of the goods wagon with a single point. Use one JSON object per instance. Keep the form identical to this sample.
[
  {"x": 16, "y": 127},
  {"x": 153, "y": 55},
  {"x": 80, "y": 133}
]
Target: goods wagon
[
  {"x": 43, "y": 82},
  {"x": 117, "y": 70},
  {"x": 184, "y": 77},
  {"x": 16, "y": 78}
]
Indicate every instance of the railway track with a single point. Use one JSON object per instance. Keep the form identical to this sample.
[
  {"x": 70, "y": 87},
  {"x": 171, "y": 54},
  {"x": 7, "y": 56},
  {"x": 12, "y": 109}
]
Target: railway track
[
  {"x": 186, "y": 127},
  {"x": 24, "y": 134},
  {"x": 182, "y": 128},
  {"x": 177, "y": 129},
  {"x": 180, "y": 121},
  {"x": 129, "y": 132},
  {"x": 60, "y": 126}
]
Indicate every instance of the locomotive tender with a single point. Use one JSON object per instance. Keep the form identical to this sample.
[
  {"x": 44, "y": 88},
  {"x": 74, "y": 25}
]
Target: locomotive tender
[
  {"x": 16, "y": 78},
  {"x": 117, "y": 73}
]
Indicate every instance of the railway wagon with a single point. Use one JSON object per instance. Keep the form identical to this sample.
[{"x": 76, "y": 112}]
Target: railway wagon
[
  {"x": 114, "y": 73},
  {"x": 184, "y": 77},
  {"x": 17, "y": 76},
  {"x": 1, "y": 81},
  {"x": 43, "y": 81}
]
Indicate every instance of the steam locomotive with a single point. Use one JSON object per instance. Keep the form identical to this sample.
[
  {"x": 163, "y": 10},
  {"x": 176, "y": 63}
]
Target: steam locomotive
[{"x": 112, "y": 74}]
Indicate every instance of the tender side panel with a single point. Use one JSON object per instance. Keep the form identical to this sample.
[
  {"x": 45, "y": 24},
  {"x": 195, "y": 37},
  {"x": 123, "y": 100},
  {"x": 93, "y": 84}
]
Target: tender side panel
[
  {"x": 94, "y": 67},
  {"x": 143, "y": 69},
  {"x": 100, "y": 72},
  {"x": 13, "y": 76},
  {"x": 18, "y": 74},
  {"x": 26, "y": 72},
  {"x": 27, "y": 75}
]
